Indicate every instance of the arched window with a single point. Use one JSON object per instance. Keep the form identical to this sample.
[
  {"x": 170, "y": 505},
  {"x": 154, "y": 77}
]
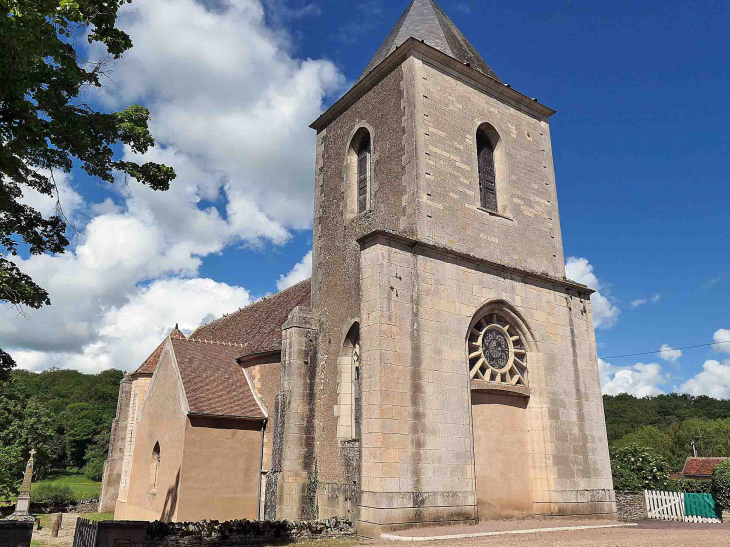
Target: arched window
[
  {"x": 349, "y": 404},
  {"x": 363, "y": 172},
  {"x": 154, "y": 468},
  {"x": 487, "y": 172}
]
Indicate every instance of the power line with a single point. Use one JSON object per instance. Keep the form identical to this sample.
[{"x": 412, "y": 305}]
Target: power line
[{"x": 663, "y": 350}]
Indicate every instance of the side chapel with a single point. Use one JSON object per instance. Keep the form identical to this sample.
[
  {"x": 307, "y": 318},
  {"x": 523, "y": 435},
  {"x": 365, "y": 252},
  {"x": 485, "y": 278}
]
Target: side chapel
[{"x": 438, "y": 367}]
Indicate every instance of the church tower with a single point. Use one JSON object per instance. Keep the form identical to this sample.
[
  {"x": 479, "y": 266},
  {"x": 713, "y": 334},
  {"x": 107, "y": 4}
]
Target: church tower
[{"x": 454, "y": 375}]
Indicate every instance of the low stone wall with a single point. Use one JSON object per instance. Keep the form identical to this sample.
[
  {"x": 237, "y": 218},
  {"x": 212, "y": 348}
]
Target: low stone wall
[
  {"x": 631, "y": 506},
  {"x": 16, "y": 533},
  {"x": 214, "y": 533},
  {"x": 81, "y": 506}
]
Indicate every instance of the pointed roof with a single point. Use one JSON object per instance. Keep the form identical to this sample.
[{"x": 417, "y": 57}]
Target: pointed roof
[
  {"x": 148, "y": 365},
  {"x": 426, "y": 21}
]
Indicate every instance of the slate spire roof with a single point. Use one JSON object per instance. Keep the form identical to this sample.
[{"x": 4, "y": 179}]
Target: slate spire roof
[{"x": 426, "y": 21}]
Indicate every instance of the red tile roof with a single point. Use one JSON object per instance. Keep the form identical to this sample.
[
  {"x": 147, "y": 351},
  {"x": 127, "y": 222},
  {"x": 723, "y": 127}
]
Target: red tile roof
[
  {"x": 258, "y": 327},
  {"x": 148, "y": 365},
  {"x": 700, "y": 467},
  {"x": 214, "y": 383}
]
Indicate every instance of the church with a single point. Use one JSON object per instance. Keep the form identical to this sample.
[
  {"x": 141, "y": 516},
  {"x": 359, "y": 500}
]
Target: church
[{"x": 438, "y": 367}]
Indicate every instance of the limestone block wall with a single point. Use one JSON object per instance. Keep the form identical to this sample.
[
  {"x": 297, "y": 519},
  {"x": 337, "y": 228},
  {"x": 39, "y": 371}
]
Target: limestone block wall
[
  {"x": 137, "y": 396},
  {"x": 526, "y": 232},
  {"x": 417, "y": 463},
  {"x": 113, "y": 465},
  {"x": 265, "y": 380},
  {"x": 290, "y": 486}
]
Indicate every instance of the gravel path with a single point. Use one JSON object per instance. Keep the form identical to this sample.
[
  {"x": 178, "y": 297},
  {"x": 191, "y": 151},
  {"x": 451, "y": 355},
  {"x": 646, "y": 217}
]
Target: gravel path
[{"x": 646, "y": 534}]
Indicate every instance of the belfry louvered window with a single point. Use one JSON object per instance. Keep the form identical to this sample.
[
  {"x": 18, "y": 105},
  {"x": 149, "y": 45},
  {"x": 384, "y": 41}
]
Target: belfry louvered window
[
  {"x": 363, "y": 174},
  {"x": 487, "y": 175}
]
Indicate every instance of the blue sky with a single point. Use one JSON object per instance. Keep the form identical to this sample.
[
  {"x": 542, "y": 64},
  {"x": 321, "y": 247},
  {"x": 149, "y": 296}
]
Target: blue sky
[{"x": 640, "y": 143}]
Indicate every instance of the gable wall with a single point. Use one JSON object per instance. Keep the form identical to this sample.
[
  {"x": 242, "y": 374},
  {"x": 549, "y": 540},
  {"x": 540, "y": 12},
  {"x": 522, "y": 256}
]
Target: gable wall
[{"x": 162, "y": 419}]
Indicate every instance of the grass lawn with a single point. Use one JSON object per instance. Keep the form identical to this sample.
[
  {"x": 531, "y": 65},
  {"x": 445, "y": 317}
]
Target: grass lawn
[
  {"x": 83, "y": 488},
  {"x": 97, "y": 516}
]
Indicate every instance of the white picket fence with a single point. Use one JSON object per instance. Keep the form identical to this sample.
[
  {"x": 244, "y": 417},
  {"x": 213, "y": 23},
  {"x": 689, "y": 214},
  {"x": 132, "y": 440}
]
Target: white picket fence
[{"x": 670, "y": 506}]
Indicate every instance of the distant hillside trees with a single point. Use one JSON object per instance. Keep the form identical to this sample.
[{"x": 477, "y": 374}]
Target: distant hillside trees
[
  {"x": 64, "y": 414},
  {"x": 667, "y": 425}
]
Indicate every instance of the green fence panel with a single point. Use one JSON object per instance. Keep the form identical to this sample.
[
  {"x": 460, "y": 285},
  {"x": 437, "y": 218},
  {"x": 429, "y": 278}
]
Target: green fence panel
[{"x": 701, "y": 505}]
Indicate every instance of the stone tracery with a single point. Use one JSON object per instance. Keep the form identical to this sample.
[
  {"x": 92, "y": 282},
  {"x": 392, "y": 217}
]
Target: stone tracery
[{"x": 496, "y": 352}]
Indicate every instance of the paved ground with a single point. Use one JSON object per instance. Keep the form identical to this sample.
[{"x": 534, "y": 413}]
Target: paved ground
[
  {"x": 646, "y": 534},
  {"x": 501, "y": 525}
]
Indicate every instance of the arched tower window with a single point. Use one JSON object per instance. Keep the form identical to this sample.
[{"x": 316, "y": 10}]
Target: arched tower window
[
  {"x": 363, "y": 172},
  {"x": 154, "y": 468},
  {"x": 487, "y": 172}
]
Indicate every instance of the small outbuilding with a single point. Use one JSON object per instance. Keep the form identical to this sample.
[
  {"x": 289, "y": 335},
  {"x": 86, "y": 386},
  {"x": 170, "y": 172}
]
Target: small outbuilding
[{"x": 700, "y": 468}]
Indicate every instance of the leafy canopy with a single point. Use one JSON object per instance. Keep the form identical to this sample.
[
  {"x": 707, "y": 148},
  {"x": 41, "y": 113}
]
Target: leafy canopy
[
  {"x": 46, "y": 123},
  {"x": 721, "y": 484},
  {"x": 635, "y": 468}
]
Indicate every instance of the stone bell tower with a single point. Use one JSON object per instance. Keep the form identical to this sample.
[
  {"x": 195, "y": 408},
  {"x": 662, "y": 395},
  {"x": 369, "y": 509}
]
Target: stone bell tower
[{"x": 455, "y": 375}]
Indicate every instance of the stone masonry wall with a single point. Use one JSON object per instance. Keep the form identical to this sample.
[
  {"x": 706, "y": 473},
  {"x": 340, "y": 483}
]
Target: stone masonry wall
[
  {"x": 526, "y": 234},
  {"x": 115, "y": 457},
  {"x": 138, "y": 392},
  {"x": 631, "y": 506},
  {"x": 417, "y": 441},
  {"x": 336, "y": 266}
]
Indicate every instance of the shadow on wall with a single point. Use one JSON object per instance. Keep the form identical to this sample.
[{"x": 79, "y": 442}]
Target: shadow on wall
[{"x": 171, "y": 500}]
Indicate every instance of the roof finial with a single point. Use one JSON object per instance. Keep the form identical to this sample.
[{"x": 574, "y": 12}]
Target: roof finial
[{"x": 176, "y": 327}]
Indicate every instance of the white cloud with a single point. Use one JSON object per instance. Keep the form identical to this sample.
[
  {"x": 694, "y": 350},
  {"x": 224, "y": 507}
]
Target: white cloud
[
  {"x": 125, "y": 335},
  {"x": 299, "y": 272},
  {"x": 230, "y": 107},
  {"x": 714, "y": 380},
  {"x": 669, "y": 354},
  {"x": 640, "y": 379},
  {"x": 722, "y": 340},
  {"x": 656, "y": 298},
  {"x": 639, "y": 302},
  {"x": 605, "y": 312},
  {"x": 70, "y": 201}
]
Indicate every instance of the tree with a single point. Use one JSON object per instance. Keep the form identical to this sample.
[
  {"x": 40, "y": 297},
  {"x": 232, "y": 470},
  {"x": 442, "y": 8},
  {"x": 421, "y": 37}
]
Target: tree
[
  {"x": 24, "y": 425},
  {"x": 46, "y": 123},
  {"x": 635, "y": 468},
  {"x": 651, "y": 438}
]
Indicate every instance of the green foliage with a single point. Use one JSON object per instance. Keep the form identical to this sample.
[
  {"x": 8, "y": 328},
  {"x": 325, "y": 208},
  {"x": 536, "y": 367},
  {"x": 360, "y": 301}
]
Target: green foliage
[
  {"x": 52, "y": 494},
  {"x": 82, "y": 487},
  {"x": 24, "y": 424},
  {"x": 648, "y": 437},
  {"x": 64, "y": 414},
  {"x": 689, "y": 486},
  {"x": 721, "y": 484},
  {"x": 635, "y": 468},
  {"x": 46, "y": 123}
]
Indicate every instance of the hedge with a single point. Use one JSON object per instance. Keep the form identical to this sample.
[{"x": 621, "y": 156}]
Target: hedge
[
  {"x": 721, "y": 484},
  {"x": 689, "y": 486},
  {"x": 51, "y": 494}
]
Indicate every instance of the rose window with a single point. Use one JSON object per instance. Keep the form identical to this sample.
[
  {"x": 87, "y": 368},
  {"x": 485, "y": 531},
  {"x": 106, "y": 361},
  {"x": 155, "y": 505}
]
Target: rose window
[{"x": 496, "y": 352}]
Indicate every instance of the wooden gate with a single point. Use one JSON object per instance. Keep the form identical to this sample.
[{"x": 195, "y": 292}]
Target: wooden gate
[
  {"x": 680, "y": 507},
  {"x": 85, "y": 534}
]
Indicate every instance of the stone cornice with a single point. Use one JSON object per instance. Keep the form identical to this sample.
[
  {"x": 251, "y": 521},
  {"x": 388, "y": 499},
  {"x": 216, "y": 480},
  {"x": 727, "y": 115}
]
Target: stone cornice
[
  {"x": 413, "y": 243},
  {"x": 418, "y": 48}
]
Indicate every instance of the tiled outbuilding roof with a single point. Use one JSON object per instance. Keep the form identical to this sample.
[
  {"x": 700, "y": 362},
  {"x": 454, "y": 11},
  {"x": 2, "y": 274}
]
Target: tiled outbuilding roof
[
  {"x": 149, "y": 364},
  {"x": 700, "y": 467},
  {"x": 426, "y": 21},
  {"x": 214, "y": 383},
  {"x": 257, "y": 328}
]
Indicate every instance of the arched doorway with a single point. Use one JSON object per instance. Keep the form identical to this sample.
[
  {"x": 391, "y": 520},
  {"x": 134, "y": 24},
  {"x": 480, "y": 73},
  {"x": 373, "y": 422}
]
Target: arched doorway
[{"x": 498, "y": 373}]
